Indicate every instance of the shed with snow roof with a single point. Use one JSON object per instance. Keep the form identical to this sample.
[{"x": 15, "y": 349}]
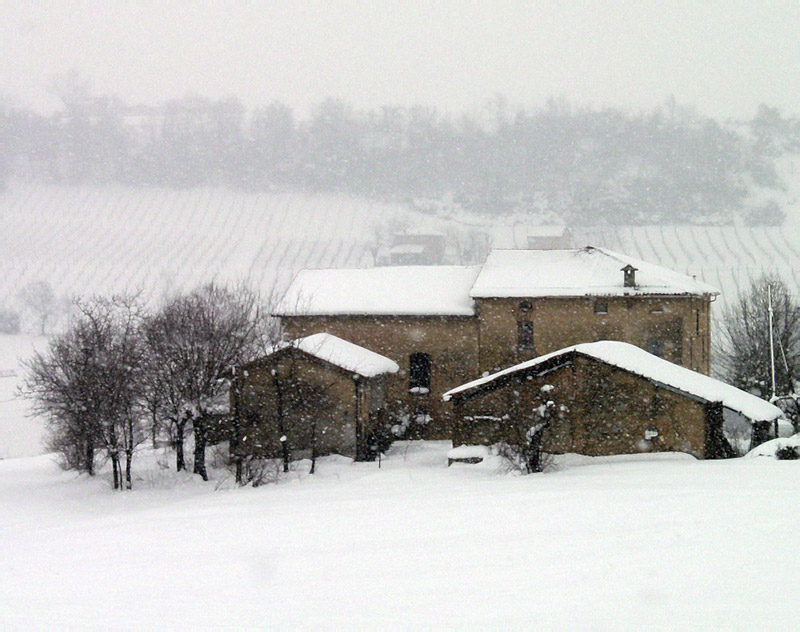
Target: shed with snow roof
[
  {"x": 320, "y": 393},
  {"x": 620, "y": 399}
]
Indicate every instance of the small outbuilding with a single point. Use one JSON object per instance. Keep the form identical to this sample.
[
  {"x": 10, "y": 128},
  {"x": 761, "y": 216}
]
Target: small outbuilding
[
  {"x": 549, "y": 237},
  {"x": 619, "y": 399},
  {"x": 319, "y": 395}
]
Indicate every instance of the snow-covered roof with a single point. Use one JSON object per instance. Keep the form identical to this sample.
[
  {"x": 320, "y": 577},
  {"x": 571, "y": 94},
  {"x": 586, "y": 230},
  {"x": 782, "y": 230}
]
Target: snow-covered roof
[
  {"x": 631, "y": 358},
  {"x": 391, "y": 290},
  {"x": 588, "y": 271},
  {"x": 341, "y": 353},
  {"x": 410, "y": 249}
]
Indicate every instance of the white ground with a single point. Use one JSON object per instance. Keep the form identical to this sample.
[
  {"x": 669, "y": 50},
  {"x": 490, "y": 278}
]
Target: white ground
[
  {"x": 628, "y": 542},
  {"x": 20, "y": 435}
]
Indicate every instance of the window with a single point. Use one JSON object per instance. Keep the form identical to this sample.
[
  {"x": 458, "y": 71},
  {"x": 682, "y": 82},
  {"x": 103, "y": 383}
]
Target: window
[
  {"x": 524, "y": 334},
  {"x": 656, "y": 347},
  {"x": 697, "y": 322},
  {"x": 419, "y": 373},
  {"x": 601, "y": 306},
  {"x": 525, "y": 306}
]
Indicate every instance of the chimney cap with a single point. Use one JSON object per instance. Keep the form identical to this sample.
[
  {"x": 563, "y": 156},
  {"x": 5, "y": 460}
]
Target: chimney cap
[{"x": 629, "y": 279}]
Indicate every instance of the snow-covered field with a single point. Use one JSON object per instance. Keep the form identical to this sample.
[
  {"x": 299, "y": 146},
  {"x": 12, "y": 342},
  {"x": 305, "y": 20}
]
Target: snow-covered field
[
  {"x": 89, "y": 239},
  {"x": 660, "y": 542},
  {"x": 20, "y": 435}
]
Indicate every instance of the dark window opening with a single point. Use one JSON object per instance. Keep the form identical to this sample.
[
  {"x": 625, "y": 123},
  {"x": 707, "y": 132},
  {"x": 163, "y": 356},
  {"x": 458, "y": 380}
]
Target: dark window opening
[
  {"x": 601, "y": 306},
  {"x": 419, "y": 373},
  {"x": 656, "y": 347},
  {"x": 525, "y": 334},
  {"x": 525, "y": 306},
  {"x": 697, "y": 321}
]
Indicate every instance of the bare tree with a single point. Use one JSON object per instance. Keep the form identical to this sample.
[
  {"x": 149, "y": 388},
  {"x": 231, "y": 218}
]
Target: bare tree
[
  {"x": 194, "y": 343},
  {"x": 88, "y": 385},
  {"x": 743, "y": 350},
  {"x": 40, "y": 301}
]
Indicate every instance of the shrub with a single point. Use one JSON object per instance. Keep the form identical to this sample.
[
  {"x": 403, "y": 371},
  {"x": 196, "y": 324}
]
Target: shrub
[{"x": 787, "y": 453}]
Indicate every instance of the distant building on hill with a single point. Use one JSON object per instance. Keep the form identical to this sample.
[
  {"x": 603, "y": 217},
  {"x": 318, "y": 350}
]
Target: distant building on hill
[
  {"x": 551, "y": 237},
  {"x": 414, "y": 249}
]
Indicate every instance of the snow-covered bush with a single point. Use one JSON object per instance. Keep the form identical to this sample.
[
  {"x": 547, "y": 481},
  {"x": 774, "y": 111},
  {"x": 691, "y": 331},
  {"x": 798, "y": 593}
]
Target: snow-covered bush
[
  {"x": 523, "y": 448},
  {"x": 782, "y": 449},
  {"x": 787, "y": 453}
]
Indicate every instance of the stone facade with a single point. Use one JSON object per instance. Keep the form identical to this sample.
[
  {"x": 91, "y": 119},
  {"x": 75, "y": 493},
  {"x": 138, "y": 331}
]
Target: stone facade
[
  {"x": 611, "y": 411},
  {"x": 675, "y": 327},
  {"x": 462, "y": 348},
  {"x": 310, "y": 402},
  {"x": 450, "y": 342}
]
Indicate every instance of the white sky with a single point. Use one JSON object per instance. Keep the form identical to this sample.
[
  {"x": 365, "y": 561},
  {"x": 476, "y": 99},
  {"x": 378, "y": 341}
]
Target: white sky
[{"x": 724, "y": 57}]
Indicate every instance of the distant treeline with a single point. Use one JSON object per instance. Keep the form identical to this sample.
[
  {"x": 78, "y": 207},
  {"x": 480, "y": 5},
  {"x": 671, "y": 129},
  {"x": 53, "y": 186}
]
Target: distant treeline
[{"x": 581, "y": 164}]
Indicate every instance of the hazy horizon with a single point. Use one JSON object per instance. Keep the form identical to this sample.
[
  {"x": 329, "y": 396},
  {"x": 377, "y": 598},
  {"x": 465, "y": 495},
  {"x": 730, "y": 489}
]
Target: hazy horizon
[{"x": 724, "y": 58}]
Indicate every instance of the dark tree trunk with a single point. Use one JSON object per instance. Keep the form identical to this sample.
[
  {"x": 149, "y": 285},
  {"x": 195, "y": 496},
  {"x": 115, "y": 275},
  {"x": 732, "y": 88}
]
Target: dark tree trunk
[
  {"x": 313, "y": 446},
  {"x": 180, "y": 429},
  {"x": 234, "y": 455},
  {"x": 285, "y": 448},
  {"x": 281, "y": 427},
  {"x": 239, "y": 472},
  {"x": 200, "y": 438},
  {"x": 128, "y": 462},
  {"x": 154, "y": 429},
  {"x": 116, "y": 469},
  {"x": 533, "y": 455},
  {"x": 90, "y": 457}
]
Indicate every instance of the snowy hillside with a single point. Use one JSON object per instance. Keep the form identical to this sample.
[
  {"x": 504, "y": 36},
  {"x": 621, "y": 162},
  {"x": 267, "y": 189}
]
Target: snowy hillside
[
  {"x": 84, "y": 240},
  {"x": 634, "y": 542}
]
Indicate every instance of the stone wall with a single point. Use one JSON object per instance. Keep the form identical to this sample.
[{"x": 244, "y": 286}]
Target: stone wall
[
  {"x": 681, "y": 323},
  {"x": 312, "y": 392},
  {"x": 451, "y": 342},
  {"x": 610, "y": 411},
  {"x": 463, "y": 348}
]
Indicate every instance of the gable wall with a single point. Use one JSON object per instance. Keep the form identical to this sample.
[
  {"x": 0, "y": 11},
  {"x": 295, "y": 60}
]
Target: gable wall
[
  {"x": 562, "y": 322},
  {"x": 452, "y": 343},
  {"x": 336, "y": 423},
  {"x": 609, "y": 411}
]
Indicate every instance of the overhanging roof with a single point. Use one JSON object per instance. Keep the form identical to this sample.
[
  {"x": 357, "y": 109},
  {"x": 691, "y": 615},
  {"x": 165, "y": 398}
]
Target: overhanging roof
[{"x": 632, "y": 359}]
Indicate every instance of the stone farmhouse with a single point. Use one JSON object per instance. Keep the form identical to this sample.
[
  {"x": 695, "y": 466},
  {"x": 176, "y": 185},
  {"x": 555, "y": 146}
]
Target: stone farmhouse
[{"x": 444, "y": 326}]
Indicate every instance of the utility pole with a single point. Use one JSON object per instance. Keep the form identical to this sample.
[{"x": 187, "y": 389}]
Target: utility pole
[
  {"x": 772, "y": 353},
  {"x": 771, "y": 343}
]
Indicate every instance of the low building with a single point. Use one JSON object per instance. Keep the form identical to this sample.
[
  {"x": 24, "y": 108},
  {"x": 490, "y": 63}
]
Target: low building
[
  {"x": 318, "y": 394},
  {"x": 617, "y": 399},
  {"x": 415, "y": 249},
  {"x": 549, "y": 237}
]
